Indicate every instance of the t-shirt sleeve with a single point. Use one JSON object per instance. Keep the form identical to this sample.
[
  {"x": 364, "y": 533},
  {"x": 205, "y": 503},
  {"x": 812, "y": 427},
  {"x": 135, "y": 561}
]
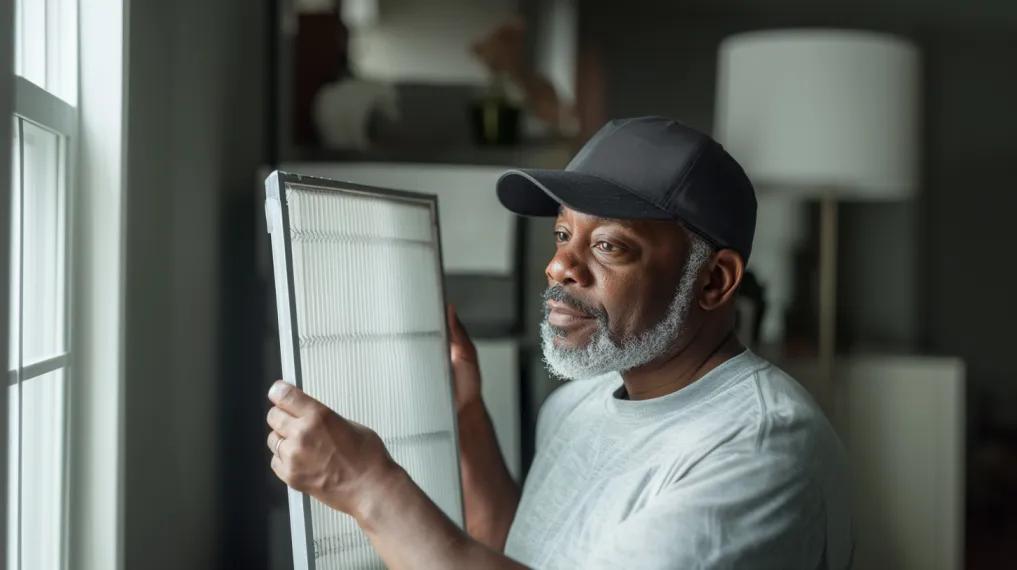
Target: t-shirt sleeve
[{"x": 744, "y": 508}]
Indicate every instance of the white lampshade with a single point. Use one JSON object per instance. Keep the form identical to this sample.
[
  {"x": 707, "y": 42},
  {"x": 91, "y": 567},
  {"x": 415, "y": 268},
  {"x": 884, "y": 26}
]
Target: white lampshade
[{"x": 820, "y": 110}]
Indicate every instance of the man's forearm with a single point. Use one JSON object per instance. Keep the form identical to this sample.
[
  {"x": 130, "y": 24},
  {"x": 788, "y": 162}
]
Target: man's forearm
[
  {"x": 490, "y": 495},
  {"x": 409, "y": 531}
]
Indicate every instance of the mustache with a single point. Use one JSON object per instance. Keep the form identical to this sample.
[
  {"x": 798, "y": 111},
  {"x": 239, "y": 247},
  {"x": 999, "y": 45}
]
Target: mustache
[{"x": 559, "y": 294}]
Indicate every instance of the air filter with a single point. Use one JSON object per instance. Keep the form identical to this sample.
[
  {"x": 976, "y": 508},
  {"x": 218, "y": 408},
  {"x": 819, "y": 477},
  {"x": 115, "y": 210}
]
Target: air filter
[{"x": 362, "y": 329}]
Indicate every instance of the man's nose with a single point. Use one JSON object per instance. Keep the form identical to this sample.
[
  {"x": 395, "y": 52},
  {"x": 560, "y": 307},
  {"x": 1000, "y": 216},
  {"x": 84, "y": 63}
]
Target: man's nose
[{"x": 568, "y": 268}]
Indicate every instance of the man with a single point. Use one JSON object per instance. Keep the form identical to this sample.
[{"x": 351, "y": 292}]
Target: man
[{"x": 672, "y": 447}]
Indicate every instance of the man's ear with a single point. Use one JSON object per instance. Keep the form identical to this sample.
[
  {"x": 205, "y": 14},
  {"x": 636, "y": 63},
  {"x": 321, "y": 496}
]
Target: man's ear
[{"x": 726, "y": 270}]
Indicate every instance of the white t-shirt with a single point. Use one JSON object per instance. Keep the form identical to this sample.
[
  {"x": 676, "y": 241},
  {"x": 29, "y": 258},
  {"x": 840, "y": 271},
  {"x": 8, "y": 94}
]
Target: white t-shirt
[{"x": 737, "y": 470}]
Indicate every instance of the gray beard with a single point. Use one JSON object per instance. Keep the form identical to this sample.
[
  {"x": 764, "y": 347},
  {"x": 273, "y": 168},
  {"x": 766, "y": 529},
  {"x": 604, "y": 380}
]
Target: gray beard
[{"x": 603, "y": 354}]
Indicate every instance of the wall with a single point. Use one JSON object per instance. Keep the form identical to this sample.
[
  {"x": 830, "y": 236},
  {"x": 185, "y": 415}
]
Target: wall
[
  {"x": 195, "y": 133},
  {"x": 970, "y": 280}
]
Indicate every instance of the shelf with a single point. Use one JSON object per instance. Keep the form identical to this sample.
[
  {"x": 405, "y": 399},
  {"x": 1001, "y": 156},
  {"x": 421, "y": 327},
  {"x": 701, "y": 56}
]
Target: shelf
[{"x": 552, "y": 155}]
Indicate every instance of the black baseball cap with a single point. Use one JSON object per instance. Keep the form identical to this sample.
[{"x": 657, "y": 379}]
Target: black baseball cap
[{"x": 646, "y": 168}]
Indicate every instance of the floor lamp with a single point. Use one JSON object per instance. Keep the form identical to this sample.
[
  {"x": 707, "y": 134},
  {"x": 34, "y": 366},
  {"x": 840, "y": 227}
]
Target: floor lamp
[{"x": 824, "y": 114}]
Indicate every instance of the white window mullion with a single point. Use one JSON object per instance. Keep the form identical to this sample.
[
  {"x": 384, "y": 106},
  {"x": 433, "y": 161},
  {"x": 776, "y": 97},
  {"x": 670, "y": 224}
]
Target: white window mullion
[
  {"x": 44, "y": 108},
  {"x": 68, "y": 166},
  {"x": 20, "y": 356},
  {"x": 36, "y": 369}
]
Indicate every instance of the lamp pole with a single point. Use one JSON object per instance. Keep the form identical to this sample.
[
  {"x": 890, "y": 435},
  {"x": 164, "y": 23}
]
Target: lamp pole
[{"x": 827, "y": 299}]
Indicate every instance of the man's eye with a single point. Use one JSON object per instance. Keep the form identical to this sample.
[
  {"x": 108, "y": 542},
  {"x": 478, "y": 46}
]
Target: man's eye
[
  {"x": 606, "y": 247},
  {"x": 560, "y": 236}
]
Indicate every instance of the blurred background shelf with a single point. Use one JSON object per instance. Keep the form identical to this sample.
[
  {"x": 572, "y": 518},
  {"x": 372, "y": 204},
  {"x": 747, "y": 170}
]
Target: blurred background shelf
[{"x": 550, "y": 154}]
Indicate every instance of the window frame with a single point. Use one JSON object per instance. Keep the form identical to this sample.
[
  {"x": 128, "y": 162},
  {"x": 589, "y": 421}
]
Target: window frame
[
  {"x": 97, "y": 394},
  {"x": 6, "y": 111},
  {"x": 48, "y": 111},
  {"x": 93, "y": 525}
]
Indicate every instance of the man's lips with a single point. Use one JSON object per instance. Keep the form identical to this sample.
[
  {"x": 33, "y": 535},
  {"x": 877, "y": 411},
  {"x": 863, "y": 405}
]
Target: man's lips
[{"x": 562, "y": 315}]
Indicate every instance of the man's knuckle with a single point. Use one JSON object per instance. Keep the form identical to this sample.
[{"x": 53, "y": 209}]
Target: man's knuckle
[{"x": 318, "y": 417}]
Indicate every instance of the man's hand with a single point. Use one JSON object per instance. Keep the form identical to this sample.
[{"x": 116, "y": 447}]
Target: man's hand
[
  {"x": 341, "y": 463},
  {"x": 465, "y": 365},
  {"x": 345, "y": 466},
  {"x": 490, "y": 495}
]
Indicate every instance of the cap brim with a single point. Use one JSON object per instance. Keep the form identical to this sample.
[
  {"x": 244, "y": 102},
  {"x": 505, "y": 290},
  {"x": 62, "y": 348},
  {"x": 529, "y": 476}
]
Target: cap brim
[{"x": 541, "y": 193}]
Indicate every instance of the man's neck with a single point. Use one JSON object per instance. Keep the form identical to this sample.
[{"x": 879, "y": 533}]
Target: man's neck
[{"x": 704, "y": 353}]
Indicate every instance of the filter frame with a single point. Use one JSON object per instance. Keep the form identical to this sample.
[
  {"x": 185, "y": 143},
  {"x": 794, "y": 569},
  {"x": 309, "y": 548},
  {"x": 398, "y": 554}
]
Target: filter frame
[{"x": 278, "y": 225}]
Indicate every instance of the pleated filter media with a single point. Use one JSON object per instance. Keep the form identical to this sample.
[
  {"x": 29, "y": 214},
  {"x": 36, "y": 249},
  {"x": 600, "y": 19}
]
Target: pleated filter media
[{"x": 362, "y": 329}]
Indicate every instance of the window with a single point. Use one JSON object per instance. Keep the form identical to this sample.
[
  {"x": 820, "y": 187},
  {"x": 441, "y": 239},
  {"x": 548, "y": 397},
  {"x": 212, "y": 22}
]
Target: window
[{"x": 45, "y": 123}]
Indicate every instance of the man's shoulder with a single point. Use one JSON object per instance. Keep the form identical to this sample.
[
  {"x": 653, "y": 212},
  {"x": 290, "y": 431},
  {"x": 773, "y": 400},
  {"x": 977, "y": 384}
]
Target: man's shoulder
[
  {"x": 786, "y": 425},
  {"x": 784, "y": 403},
  {"x": 772, "y": 436},
  {"x": 753, "y": 390},
  {"x": 794, "y": 446},
  {"x": 762, "y": 408}
]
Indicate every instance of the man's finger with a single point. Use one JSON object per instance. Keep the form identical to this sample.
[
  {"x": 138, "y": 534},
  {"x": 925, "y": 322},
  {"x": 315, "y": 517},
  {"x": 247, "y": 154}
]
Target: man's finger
[
  {"x": 277, "y": 467},
  {"x": 279, "y": 420},
  {"x": 459, "y": 340},
  {"x": 454, "y": 333},
  {"x": 292, "y": 400},
  {"x": 274, "y": 443}
]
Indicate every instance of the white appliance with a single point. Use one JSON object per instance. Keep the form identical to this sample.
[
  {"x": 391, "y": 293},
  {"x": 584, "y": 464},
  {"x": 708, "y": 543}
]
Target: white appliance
[{"x": 902, "y": 421}]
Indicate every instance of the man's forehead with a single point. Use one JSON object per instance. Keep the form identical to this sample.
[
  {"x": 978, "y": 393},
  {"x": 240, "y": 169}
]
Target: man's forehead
[{"x": 565, "y": 211}]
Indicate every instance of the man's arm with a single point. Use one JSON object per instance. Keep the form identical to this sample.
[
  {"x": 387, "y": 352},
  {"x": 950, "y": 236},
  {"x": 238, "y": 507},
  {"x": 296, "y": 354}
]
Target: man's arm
[
  {"x": 490, "y": 495},
  {"x": 345, "y": 466},
  {"x": 409, "y": 531}
]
